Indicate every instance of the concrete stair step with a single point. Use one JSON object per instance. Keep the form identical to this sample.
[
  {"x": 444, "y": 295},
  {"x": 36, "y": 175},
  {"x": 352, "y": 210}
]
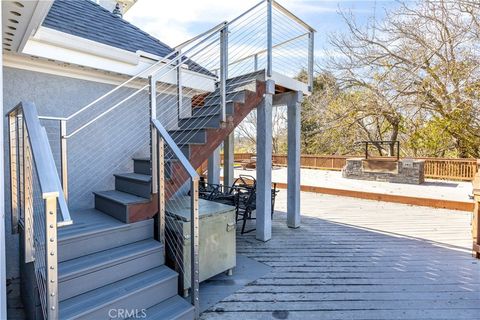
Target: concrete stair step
[
  {"x": 134, "y": 183},
  {"x": 116, "y": 203},
  {"x": 89, "y": 272},
  {"x": 140, "y": 291},
  {"x": 94, "y": 231},
  {"x": 174, "y": 308}
]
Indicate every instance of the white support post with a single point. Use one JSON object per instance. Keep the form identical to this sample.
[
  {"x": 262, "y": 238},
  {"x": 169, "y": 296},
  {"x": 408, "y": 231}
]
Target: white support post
[
  {"x": 228, "y": 155},
  {"x": 294, "y": 107},
  {"x": 213, "y": 175},
  {"x": 264, "y": 164}
]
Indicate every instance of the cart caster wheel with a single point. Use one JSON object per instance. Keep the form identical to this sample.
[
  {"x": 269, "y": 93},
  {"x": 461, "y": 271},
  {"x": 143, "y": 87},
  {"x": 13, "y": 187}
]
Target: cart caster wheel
[{"x": 230, "y": 272}]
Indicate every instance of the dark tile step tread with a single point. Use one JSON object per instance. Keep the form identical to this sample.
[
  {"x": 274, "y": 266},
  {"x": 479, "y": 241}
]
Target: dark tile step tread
[
  {"x": 121, "y": 197},
  {"x": 100, "y": 260},
  {"x": 105, "y": 295},
  {"x": 172, "y": 308},
  {"x": 135, "y": 176}
]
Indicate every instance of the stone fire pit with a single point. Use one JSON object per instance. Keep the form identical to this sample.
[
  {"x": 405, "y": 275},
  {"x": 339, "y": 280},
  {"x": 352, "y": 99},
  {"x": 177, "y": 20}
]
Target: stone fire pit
[{"x": 388, "y": 170}]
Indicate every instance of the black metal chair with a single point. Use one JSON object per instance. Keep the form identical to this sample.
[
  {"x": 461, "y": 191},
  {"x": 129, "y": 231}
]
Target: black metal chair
[
  {"x": 242, "y": 195},
  {"x": 246, "y": 203}
]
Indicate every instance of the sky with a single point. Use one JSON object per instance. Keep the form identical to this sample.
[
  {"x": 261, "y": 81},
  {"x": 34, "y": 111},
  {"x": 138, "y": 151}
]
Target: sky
[{"x": 174, "y": 22}]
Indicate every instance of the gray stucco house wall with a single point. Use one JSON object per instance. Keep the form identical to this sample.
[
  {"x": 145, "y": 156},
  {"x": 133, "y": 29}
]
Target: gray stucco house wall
[{"x": 97, "y": 152}]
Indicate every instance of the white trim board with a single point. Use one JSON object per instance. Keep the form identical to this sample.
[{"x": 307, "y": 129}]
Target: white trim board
[
  {"x": 59, "y": 46},
  {"x": 41, "y": 65}
]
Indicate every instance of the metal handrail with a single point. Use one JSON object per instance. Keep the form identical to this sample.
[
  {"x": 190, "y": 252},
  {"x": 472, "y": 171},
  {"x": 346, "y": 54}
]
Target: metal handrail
[
  {"x": 175, "y": 149},
  {"x": 31, "y": 160},
  {"x": 43, "y": 158},
  {"x": 218, "y": 27}
]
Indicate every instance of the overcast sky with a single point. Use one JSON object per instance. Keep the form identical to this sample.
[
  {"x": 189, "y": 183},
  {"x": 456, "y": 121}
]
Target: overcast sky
[{"x": 175, "y": 21}]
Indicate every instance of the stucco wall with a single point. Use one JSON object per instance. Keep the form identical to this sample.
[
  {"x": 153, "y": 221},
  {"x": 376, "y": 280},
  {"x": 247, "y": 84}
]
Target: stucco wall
[{"x": 95, "y": 153}]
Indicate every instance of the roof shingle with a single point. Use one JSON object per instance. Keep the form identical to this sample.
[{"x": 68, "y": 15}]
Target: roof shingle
[{"x": 86, "y": 19}]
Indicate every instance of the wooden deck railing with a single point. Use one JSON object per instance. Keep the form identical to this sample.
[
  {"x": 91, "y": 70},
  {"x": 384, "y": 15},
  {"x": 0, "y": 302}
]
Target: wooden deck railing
[{"x": 435, "y": 168}]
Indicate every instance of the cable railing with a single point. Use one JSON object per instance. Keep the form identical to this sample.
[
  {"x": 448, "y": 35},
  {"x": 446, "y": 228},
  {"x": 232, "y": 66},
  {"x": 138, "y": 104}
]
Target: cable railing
[
  {"x": 35, "y": 195},
  {"x": 164, "y": 110}
]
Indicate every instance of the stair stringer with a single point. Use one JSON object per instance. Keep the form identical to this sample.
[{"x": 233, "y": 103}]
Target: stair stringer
[{"x": 199, "y": 153}]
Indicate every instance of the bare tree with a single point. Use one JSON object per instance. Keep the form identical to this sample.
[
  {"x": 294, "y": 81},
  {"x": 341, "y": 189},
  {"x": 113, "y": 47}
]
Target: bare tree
[
  {"x": 246, "y": 132},
  {"x": 423, "y": 59}
]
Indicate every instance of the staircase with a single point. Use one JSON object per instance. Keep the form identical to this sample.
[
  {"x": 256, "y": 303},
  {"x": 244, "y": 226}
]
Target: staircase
[
  {"x": 201, "y": 134},
  {"x": 109, "y": 260},
  {"x": 107, "y": 263}
]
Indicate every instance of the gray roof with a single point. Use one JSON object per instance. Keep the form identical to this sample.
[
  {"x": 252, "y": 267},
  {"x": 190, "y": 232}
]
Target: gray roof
[{"x": 86, "y": 19}]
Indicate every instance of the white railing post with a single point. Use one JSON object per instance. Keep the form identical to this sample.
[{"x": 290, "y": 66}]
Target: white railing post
[
  {"x": 269, "y": 38},
  {"x": 310, "y": 60},
  {"x": 161, "y": 189},
  {"x": 223, "y": 71},
  {"x": 27, "y": 206},
  {"x": 51, "y": 261},
  {"x": 179, "y": 85},
  {"x": 195, "y": 271},
  {"x": 153, "y": 133},
  {"x": 14, "y": 159},
  {"x": 63, "y": 158}
]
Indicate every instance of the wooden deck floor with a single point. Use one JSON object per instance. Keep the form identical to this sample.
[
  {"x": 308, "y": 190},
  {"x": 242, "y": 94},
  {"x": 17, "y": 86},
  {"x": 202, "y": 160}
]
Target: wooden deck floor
[{"x": 360, "y": 259}]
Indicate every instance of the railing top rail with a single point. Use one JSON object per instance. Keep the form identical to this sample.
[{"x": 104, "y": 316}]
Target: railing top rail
[
  {"x": 175, "y": 149},
  {"x": 292, "y": 16},
  {"x": 42, "y": 156},
  {"x": 265, "y": 50},
  {"x": 214, "y": 29}
]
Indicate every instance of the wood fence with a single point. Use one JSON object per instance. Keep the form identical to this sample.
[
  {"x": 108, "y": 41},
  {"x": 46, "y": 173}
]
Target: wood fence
[{"x": 435, "y": 168}]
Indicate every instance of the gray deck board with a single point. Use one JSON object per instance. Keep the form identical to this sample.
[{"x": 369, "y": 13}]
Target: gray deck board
[{"x": 360, "y": 259}]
